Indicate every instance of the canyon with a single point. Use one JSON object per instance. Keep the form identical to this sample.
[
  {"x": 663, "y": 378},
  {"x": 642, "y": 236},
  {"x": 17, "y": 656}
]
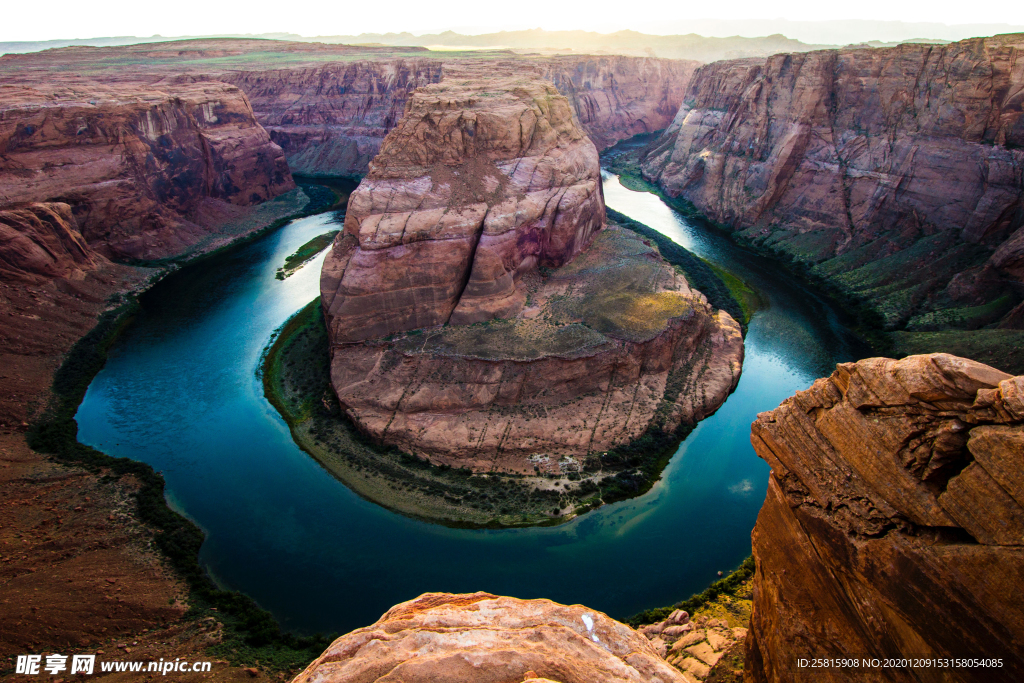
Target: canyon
[
  {"x": 893, "y": 175},
  {"x": 484, "y": 314},
  {"x": 481, "y": 317}
]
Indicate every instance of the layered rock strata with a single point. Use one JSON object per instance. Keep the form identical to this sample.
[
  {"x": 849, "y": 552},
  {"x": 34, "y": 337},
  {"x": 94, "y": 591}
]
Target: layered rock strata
[
  {"x": 478, "y": 317},
  {"x": 41, "y": 241},
  {"x": 896, "y": 173},
  {"x": 330, "y": 119},
  {"x": 894, "y": 521},
  {"x": 148, "y": 171},
  {"x": 481, "y": 637}
]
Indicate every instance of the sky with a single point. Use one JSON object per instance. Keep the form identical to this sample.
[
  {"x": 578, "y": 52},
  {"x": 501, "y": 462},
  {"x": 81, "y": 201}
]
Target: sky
[{"x": 65, "y": 19}]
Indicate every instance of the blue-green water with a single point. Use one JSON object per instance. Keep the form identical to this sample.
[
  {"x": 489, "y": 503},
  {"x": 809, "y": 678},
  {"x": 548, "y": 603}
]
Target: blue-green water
[{"x": 180, "y": 392}]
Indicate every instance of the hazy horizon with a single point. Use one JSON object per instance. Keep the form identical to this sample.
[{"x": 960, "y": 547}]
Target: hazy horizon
[{"x": 804, "y": 20}]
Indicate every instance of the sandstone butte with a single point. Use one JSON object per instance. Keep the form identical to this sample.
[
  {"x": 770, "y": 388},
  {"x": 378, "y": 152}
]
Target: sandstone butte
[
  {"x": 479, "y": 315},
  {"x": 482, "y": 638},
  {"x": 896, "y": 174},
  {"x": 150, "y": 172},
  {"x": 894, "y": 520}
]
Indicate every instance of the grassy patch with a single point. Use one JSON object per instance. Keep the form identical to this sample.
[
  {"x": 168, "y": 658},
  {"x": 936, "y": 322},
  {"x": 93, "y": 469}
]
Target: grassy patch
[
  {"x": 698, "y": 273},
  {"x": 305, "y": 253},
  {"x": 725, "y": 591}
]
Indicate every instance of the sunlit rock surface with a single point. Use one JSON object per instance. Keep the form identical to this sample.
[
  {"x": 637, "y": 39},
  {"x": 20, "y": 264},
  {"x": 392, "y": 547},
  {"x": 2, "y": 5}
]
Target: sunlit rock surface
[{"x": 482, "y": 638}]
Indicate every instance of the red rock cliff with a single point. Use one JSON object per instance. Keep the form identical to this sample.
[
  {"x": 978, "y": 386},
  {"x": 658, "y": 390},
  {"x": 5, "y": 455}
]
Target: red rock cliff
[
  {"x": 41, "y": 241},
  {"x": 894, "y": 522},
  {"x": 330, "y": 119},
  {"x": 896, "y": 173},
  {"x": 147, "y": 170}
]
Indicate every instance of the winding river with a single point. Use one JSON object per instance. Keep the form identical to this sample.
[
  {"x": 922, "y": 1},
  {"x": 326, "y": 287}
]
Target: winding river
[{"x": 180, "y": 392}]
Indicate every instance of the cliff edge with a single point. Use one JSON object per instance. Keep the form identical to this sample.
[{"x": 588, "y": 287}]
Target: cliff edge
[{"x": 894, "y": 521}]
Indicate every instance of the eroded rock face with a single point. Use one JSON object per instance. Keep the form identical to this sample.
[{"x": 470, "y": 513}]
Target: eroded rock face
[
  {"x": 477, "y": 315},
  {"x": 896, "y": 173},
  {"x": 479, "y": 637},
  {"x": 147, "y": 170},
  {"x": 471, "y": 190},
  {"x": 894, "y": 520},
  {"x": 41, "y": 241}
]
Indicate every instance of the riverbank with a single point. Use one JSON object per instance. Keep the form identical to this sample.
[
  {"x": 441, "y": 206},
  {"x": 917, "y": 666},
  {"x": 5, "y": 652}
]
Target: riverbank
[
  {"x": 137, "y": 549},
  {"x": 1000, "y": 348},
  {"x": 296, "y": 380}
]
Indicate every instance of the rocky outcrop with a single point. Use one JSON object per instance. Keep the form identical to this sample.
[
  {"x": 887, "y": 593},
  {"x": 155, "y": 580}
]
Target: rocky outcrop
[
  {"x": 894, "y": 521},
  {"x": 147, "y": 171},
  {"x": 481, "y": 637},
  {"x": 41, "y": 241},
  {"x": 896, "y": 174},
  {"x": 330, "y": 119},
  {"x": 696, "y": 646},
  {"x": 476, "y": 315}
]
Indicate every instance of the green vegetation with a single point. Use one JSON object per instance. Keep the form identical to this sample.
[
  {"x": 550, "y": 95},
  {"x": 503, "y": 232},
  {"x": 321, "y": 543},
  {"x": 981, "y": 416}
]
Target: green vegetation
[
  {"x": 1002, "y": 349},
  {"x": 731, "y": 585},
  {"x": 305, "y": 253},
  {"x": 699, "y": 273}
]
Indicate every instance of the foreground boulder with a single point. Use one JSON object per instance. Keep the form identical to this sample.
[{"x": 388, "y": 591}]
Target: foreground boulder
[
  {"x": 479, "y": 315},
  {"x": 483, "y": 638},
  {"x": 894, "y": 521}
]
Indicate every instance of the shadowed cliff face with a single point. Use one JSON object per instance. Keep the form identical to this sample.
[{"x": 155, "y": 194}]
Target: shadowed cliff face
[
  {"x": 331, "y": 119},
  {"x": 480, "y": 317},
  {"x": 41, "y": 241},
  {"x": 147, "y": 171},
  {"x": 895, "y": 173},
  {"x": 894, "y": 520}
]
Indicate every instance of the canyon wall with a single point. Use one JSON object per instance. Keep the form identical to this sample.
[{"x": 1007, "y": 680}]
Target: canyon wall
[
  {"x": 478, "y": 314},
  {"x": 330, "y": 119},
  {"x": 147, "y": 171},
  {"x": 894, "y": 522},
  {"x": 895, "y": 174}
]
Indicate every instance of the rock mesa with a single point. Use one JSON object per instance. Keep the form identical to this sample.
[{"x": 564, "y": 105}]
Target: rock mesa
[
  {"x": 894, "y": 520},
  {"x": 478, "y": 313}
]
